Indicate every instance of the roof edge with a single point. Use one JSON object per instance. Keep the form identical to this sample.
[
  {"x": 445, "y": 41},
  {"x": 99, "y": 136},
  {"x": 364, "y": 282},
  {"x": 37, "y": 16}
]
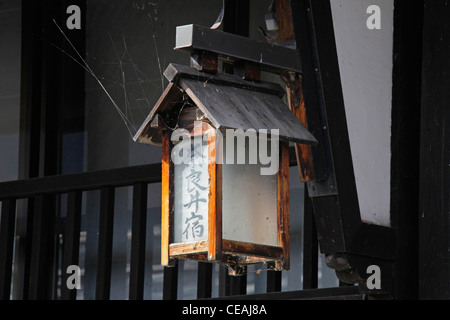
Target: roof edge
[{"x": 174, "y": 72}]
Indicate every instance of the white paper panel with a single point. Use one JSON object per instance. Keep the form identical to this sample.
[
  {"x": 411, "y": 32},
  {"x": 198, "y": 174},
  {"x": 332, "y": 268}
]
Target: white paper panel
[
  {"x": 249, "y": 207},
  {"x": 191, "y": 183}
]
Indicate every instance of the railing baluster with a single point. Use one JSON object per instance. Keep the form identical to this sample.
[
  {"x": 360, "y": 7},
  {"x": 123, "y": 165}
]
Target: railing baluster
[
  {"x": 170, "y": 284},
  {"x": 204, "y": 280},
  {"x": 105, "y": 242},
  {"x": 138, "y": 238},
  {"x": 35, "y": 259},
  {"x": 236, "y": 285},
  {"x": 22, "y": 248},
  {"x": 273, "y": 280},
  {"x": 6, "y": 246},
  {"x": 42, "y": 255},
  {"x": 310, "y": 246},
  {"x": 71, "y": 241}
]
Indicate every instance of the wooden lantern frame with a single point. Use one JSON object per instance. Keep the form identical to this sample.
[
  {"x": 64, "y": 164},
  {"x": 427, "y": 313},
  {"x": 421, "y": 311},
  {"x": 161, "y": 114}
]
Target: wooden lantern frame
[
  {"x": 232, "y": 253},
  {"x": 222, "y": 101}
]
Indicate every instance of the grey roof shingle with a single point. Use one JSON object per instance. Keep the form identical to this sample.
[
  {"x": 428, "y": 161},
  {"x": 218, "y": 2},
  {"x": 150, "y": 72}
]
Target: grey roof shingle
[{"x": 229, "y": 103}]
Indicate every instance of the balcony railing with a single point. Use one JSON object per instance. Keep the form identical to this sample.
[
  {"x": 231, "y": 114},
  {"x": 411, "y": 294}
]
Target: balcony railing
[{"x": 42, "y": 194}]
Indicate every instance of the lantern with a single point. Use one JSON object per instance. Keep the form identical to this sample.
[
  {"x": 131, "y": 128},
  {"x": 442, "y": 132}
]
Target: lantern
[{"x": 215, "y": 207}]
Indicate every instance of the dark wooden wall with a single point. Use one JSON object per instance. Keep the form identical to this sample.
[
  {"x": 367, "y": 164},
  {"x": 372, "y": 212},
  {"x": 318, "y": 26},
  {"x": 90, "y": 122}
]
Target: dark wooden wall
[
  {"x": 434, "y": 215},
  {"x": 406, "y": 93}
]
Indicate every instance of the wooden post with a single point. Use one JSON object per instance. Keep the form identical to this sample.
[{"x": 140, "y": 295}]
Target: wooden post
[
  {"x": 434, "y": 200},
  {"x": 214, "y": 202},
  {"x": 167, "y": 200},
  {"x": 296, "y": 102},
  {"x": 294, "y": 91},
  {"x": 405, "y": 167},
  {"x": 283, "y": 202},
  {"x": 204, "y": 61}
]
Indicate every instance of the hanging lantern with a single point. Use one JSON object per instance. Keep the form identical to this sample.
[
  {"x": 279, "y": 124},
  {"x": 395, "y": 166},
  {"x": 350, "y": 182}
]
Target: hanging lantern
[{"x": 225, "y": 168}]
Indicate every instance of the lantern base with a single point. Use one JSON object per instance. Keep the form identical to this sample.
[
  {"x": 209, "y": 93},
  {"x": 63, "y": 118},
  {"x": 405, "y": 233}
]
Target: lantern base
[
  {"x": 240, "y": 270},
  {"x": 235, "y": 263},
  {"x": 235, "y": 255},
  {"x": 234, "y": 269}
]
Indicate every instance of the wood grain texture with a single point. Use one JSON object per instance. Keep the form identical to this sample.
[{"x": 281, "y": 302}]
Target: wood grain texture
[
  {"x": 283, "y": 203},
  {"x": 252, "y": 249},
  {"x": 167, "y": 200},
  {"x": 237, "y": 108},
  {"x": 153, "y": 135},
  {"x": 174, "y": 72},
  {"x": 303, "y": 152},
  {"x": 294, "y": 91},
  {"x": 284, "y": 19},
  {"x": 188, "y": 248},
  {"x": 214, "y": 201}
]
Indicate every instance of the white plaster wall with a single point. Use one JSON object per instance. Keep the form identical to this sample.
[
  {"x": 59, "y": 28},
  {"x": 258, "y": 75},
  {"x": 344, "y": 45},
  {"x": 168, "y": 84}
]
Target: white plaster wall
[{"x": 365, "y": 62}]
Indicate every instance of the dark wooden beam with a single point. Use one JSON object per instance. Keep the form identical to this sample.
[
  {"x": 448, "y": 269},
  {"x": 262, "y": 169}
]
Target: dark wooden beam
[
  {"x": 434, "y": 196},
  {"x": 310, "y": 246},
  {"x": 273, "y": 279},
  {"x": 170, "y": 282},
  {"x": 204, "y": 280},
  {"x": 236, "y": 17},
  {"x": 339, "y": 293},
  {"x": 81, "y": 181},
  {"x": 406, "y": 93},
  {"x": 231, "y": 47},
  {"x": 336, "y": 207}
]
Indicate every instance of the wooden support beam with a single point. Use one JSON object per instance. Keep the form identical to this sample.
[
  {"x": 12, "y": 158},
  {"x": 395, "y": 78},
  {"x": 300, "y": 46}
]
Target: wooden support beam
[
  {"x": 294, "y": 90},
  {"x": 214, "y": 202},
  {"x": 204, "y": 61},
  {"x": 434, "y": 199},
  {"x": 310, "y": 246},
  {"x": 405, "y": 158},
  {"x": 296, "y": 102},
  {"x": 167, "y": 200},
  {"x": 284, "y": 19},
  {"x": 283, "y": 203},
  {"x": 231, "y": 47}
]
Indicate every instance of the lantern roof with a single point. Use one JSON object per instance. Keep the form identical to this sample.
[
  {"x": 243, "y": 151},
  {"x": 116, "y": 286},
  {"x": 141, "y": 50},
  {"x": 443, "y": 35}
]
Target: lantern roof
[{"x": 227, "y": 101}]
